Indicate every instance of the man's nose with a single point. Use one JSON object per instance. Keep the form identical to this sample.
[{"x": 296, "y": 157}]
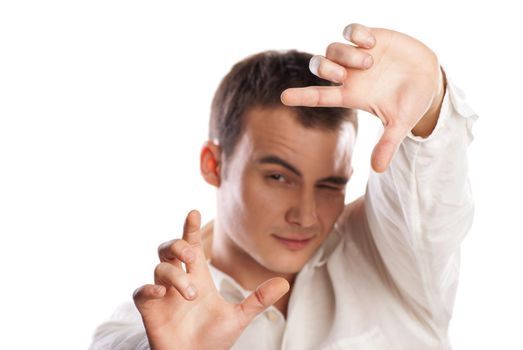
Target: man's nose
[{"x": 303, "y": 212}]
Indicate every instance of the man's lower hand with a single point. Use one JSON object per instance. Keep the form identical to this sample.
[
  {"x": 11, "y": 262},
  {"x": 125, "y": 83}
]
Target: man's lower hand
[{"x": 184, "y": 310}]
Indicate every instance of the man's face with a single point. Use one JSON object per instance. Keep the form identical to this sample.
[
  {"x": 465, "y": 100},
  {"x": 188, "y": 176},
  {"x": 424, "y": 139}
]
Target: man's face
[{"x": 284, "y": 187}]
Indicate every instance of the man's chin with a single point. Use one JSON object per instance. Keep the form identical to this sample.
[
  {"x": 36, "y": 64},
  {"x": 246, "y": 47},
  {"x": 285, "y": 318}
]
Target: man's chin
[{"x": 284, "y": 266}]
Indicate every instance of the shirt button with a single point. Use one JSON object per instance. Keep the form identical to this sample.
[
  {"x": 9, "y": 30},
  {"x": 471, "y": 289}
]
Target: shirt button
[{"x": 271, "y": 315}]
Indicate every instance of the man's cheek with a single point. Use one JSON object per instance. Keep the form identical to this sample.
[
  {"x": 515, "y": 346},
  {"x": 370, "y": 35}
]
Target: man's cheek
[{"x": 266, "y": 204}]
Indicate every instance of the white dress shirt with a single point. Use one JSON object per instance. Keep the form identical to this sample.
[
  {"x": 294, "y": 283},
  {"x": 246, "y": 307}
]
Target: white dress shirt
[{"x": 386, "y": 277}]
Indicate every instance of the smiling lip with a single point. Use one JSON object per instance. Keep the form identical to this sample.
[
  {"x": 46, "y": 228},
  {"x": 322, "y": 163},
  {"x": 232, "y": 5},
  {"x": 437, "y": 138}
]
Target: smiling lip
[{"x": 294, "y": 244}]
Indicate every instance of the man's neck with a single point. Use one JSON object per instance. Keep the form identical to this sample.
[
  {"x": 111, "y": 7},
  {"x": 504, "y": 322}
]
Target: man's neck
[{"x": 229, "y": 258}]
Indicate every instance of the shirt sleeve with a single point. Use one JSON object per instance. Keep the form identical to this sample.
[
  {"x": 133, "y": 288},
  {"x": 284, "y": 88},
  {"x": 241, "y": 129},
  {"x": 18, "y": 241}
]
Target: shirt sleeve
[
  {"x": 420, "y": 209},
  {"x": 123, "y": 331}
]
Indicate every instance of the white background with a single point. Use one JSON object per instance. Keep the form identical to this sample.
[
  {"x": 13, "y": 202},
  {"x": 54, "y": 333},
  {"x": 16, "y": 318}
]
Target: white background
[{"x": 104, "y": 107}]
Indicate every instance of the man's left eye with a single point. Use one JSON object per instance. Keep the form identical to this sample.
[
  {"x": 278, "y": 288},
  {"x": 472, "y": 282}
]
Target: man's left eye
[{"x": 332, "y": 188}]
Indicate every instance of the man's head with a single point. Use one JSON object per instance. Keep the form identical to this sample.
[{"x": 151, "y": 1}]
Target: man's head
[
  {"x": 259, "y": 80},
  {"x": 280, "y": 171}
]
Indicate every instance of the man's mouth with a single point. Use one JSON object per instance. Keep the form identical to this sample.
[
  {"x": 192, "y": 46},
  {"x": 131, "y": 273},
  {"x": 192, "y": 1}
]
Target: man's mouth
[{"x": 293, "y": 243}]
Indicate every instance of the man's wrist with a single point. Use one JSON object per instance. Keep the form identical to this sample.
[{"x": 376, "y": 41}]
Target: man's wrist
[{"x": 428, "y": 122}]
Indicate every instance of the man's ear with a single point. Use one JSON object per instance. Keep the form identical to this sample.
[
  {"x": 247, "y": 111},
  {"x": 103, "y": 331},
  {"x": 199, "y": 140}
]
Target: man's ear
[{"x": 210, "y": 163}]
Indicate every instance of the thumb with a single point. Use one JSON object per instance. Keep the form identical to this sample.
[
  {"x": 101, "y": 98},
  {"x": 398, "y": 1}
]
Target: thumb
[
  {"x": 264, "y": 296},
  {"x": 387, "y": 146}
]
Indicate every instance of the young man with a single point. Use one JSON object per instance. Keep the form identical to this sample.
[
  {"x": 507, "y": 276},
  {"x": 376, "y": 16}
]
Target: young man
[{"x": 285, "y": 264}]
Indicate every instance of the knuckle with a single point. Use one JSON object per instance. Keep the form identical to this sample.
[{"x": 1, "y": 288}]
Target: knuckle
[
  {"x": 367, "y": 61},
  {"x": 316, "y": 98},
  {"x": 188, "y": 254},
  {"x": 159, "y": 269},
  {"x": 260, "y": 296},
  {"x": 196, "y": 246},
  {"x": 332, "y": 49},
  {"x": 174, "y": 277},
  {"x": 178, "y": 246},
  {"x": 359, "y": 58},
  {"x": 166, "y": 273}
]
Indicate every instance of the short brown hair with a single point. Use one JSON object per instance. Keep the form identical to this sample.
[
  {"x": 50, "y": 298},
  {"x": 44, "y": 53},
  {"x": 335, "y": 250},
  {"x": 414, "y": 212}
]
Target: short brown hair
[{"x": 259, "y": 80}]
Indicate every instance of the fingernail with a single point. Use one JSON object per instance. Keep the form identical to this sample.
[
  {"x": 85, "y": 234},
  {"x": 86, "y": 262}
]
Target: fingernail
[
  {"x": 347, "y": 32},
  {"x": 191, "y": 291},
  {"x": 188, "y": 255},
  {"x": 314, "y": 64}
]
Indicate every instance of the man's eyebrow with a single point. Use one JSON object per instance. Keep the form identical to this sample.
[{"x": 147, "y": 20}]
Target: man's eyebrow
[{"x": 272, "y": 159}]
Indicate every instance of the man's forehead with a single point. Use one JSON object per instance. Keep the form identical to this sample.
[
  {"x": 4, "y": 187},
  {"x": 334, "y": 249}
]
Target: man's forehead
[
  {"x": 277, "y": 131},
  {"x": 280, "y": 124}
]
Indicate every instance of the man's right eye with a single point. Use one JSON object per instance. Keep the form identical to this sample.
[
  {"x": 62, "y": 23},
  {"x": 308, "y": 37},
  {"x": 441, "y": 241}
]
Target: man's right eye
[{"x": 277, "y": 177}]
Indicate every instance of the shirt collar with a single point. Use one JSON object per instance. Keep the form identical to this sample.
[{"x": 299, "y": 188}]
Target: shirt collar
[
  {"x": 325, "y": 250},
  {"x": 227, "y": 286}
]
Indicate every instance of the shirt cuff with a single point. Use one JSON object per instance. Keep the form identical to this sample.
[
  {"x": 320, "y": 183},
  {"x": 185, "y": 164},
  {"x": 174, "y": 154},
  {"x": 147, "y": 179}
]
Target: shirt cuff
[{"x": 454, "y": 102}]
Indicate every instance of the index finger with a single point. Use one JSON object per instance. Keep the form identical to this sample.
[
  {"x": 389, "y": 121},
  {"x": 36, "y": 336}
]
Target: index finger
[
  {"x": 192, "y": 234},
  {"x": 314, "y": 96},
  {"x": 191, "y": 227}
]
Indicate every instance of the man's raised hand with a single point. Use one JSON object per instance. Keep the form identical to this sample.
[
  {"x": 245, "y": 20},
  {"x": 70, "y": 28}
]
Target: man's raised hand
[
  {"x": 184, "y": 310},
  {"x": 386, "y": 73}
]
